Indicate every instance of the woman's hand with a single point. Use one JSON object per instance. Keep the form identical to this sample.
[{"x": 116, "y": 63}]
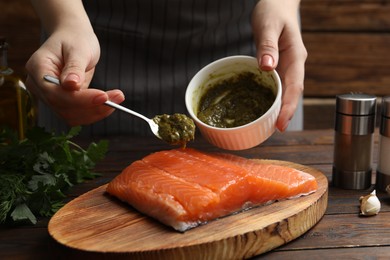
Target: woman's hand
[
  {"x": 279, "y": 46},
  {"x": 70, "y": 53}
]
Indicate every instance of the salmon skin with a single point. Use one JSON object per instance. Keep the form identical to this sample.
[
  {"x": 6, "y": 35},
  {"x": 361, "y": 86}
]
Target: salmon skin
[{"x": 184, "y": 188}]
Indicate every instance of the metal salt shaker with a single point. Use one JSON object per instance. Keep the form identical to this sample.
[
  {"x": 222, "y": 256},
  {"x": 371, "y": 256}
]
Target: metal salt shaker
[
  {"x": 353, "y": 143},
  {"x": 383, "y": 170}
]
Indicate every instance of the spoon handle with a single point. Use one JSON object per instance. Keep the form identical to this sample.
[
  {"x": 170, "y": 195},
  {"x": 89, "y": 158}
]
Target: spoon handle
[
  {"x": 126, "y": 110},
  {"x": 108, "y": 103}
]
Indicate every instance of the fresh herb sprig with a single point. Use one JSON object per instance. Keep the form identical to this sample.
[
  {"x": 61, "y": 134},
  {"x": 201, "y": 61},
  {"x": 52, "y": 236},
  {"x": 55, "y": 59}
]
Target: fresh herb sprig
[{"x": 35, "y": 172}]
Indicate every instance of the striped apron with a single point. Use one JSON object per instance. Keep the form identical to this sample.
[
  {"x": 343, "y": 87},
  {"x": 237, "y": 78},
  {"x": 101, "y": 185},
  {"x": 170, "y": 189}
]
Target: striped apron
[{"x": 151, "y": 50}]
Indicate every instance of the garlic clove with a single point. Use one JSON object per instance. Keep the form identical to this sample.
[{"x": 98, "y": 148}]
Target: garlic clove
[{"x": 370, "y": 204}]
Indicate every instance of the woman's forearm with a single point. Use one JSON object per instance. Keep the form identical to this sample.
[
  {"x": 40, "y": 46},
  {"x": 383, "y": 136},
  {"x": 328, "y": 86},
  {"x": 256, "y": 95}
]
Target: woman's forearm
[{"x": 55, "y": 14}]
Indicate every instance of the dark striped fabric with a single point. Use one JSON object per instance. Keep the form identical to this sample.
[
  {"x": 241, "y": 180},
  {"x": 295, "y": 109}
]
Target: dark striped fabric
[{"x": 150, "y": 49}]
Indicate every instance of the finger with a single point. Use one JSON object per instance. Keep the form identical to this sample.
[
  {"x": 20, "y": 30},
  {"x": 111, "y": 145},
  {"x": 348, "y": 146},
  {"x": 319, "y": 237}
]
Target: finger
[
  {"x": 293, "y": 85},
  {"x": 75, "y": 107},
  {"x": 286, "y": 114},
  {"x": 268, "y": 54},
  {"x": 266, "y": 40},
  {"x": 73, "y": 73},
  {"x": 40, "y": 63},
  {"x": 82, "y": 107},
  {"x": 87, "y": 117},
  {"x": 116, "y": 96},
  {"x": 85, "y": 98},
  {"x": 39, "y": 88}
]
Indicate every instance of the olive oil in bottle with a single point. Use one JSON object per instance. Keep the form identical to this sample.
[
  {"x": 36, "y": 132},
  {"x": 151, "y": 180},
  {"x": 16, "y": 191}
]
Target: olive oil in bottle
[{"x": 17, "y": 107}]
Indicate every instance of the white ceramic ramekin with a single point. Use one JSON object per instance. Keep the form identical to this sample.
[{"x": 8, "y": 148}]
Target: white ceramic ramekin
[{"x": 242, "y": 137}]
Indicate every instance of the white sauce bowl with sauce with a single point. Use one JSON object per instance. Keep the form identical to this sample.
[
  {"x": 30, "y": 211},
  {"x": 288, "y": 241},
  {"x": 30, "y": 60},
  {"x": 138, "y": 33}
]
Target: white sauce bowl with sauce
[{"x": 240, "y": 137}]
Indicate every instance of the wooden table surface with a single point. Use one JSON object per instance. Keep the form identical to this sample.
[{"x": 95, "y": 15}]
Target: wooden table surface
[{"x": 340, "y": 233}]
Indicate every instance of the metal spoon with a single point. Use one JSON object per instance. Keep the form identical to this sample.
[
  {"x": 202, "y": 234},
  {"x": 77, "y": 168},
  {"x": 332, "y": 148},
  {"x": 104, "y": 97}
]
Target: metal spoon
[{"x": 153, "y": 125}]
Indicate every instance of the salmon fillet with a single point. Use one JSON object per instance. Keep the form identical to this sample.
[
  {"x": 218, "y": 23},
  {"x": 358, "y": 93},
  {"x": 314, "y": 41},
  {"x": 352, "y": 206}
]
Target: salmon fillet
[
  {"x": 291, "y": 182},
  {"x": 184, "y": 188}
]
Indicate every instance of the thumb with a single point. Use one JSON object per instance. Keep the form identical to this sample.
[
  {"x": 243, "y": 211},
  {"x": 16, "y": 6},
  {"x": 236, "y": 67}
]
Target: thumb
[
  {"x": 73, "y": 73},
  {"x": 267, "y": 49}
]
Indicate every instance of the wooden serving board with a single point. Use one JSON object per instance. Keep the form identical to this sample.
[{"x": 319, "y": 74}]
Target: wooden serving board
[{"x": 100, "y": 224}]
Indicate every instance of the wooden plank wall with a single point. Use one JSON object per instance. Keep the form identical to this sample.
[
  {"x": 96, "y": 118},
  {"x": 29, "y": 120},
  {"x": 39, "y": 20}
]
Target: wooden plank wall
[{"x": 348, "y": 42}]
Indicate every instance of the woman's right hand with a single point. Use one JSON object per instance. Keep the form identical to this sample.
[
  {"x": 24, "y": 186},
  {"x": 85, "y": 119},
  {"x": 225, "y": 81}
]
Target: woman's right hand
[{"x": 70, "y": 53}]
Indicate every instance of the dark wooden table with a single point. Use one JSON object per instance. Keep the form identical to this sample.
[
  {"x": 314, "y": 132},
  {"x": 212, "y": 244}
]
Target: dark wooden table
[{"x": 341, "y": 233}]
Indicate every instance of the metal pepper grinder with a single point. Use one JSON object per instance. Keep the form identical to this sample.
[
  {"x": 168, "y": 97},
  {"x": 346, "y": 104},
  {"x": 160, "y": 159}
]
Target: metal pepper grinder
[
  {"x": 353, "y": 142},
  {"x": 383, "y": 171}
]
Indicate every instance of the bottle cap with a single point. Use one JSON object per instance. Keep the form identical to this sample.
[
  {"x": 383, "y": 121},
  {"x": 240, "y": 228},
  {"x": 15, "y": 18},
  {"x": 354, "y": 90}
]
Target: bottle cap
[
  {"x": 355, "y": 114},
  {"x": 356, "y": 104}
]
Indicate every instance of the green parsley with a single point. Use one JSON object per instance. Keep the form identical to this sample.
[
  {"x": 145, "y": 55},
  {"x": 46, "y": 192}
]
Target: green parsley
[{"x": 35, "y": 172}]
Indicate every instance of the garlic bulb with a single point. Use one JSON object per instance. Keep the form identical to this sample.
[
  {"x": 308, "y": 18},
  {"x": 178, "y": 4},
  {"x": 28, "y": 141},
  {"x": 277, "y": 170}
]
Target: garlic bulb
[{"x": 370, "y": 204}]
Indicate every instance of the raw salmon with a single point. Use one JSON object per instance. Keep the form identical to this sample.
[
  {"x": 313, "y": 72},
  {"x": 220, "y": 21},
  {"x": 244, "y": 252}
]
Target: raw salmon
[
  {"x": 291, "y": 182},
  {"x": 184, "y": 188}
]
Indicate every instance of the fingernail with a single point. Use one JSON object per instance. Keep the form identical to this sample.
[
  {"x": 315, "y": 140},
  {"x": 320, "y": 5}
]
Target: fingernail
[
  {"x": 72, "y": 77},
  {"x": 118, "y": 97},
  {"x": 285, "y": 126},
  {"x": 99, "y": 100},
  {"x": 267, "y": 62}
]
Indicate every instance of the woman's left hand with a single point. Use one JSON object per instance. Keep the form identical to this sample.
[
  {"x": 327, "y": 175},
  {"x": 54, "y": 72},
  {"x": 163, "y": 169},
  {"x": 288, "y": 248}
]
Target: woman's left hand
[{"x": 278, "y": 39}]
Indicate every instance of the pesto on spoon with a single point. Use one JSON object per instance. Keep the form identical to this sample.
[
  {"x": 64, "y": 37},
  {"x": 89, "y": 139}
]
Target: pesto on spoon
[{"x": 176, "y": 129}]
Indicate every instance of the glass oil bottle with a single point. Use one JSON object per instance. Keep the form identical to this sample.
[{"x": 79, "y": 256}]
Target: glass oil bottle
[{"x": 17, "y": 107}]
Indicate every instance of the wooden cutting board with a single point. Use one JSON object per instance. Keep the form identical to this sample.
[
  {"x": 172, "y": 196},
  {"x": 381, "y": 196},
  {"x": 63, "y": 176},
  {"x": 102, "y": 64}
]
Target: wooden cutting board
[{"x": 100, "y": 224}]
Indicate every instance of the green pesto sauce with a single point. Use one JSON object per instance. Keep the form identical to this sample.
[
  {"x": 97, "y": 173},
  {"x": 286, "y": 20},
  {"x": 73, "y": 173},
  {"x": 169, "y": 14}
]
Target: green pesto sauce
[
  {"x": 235, "y": 101},
  {"x": 176, "y": 129}
]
